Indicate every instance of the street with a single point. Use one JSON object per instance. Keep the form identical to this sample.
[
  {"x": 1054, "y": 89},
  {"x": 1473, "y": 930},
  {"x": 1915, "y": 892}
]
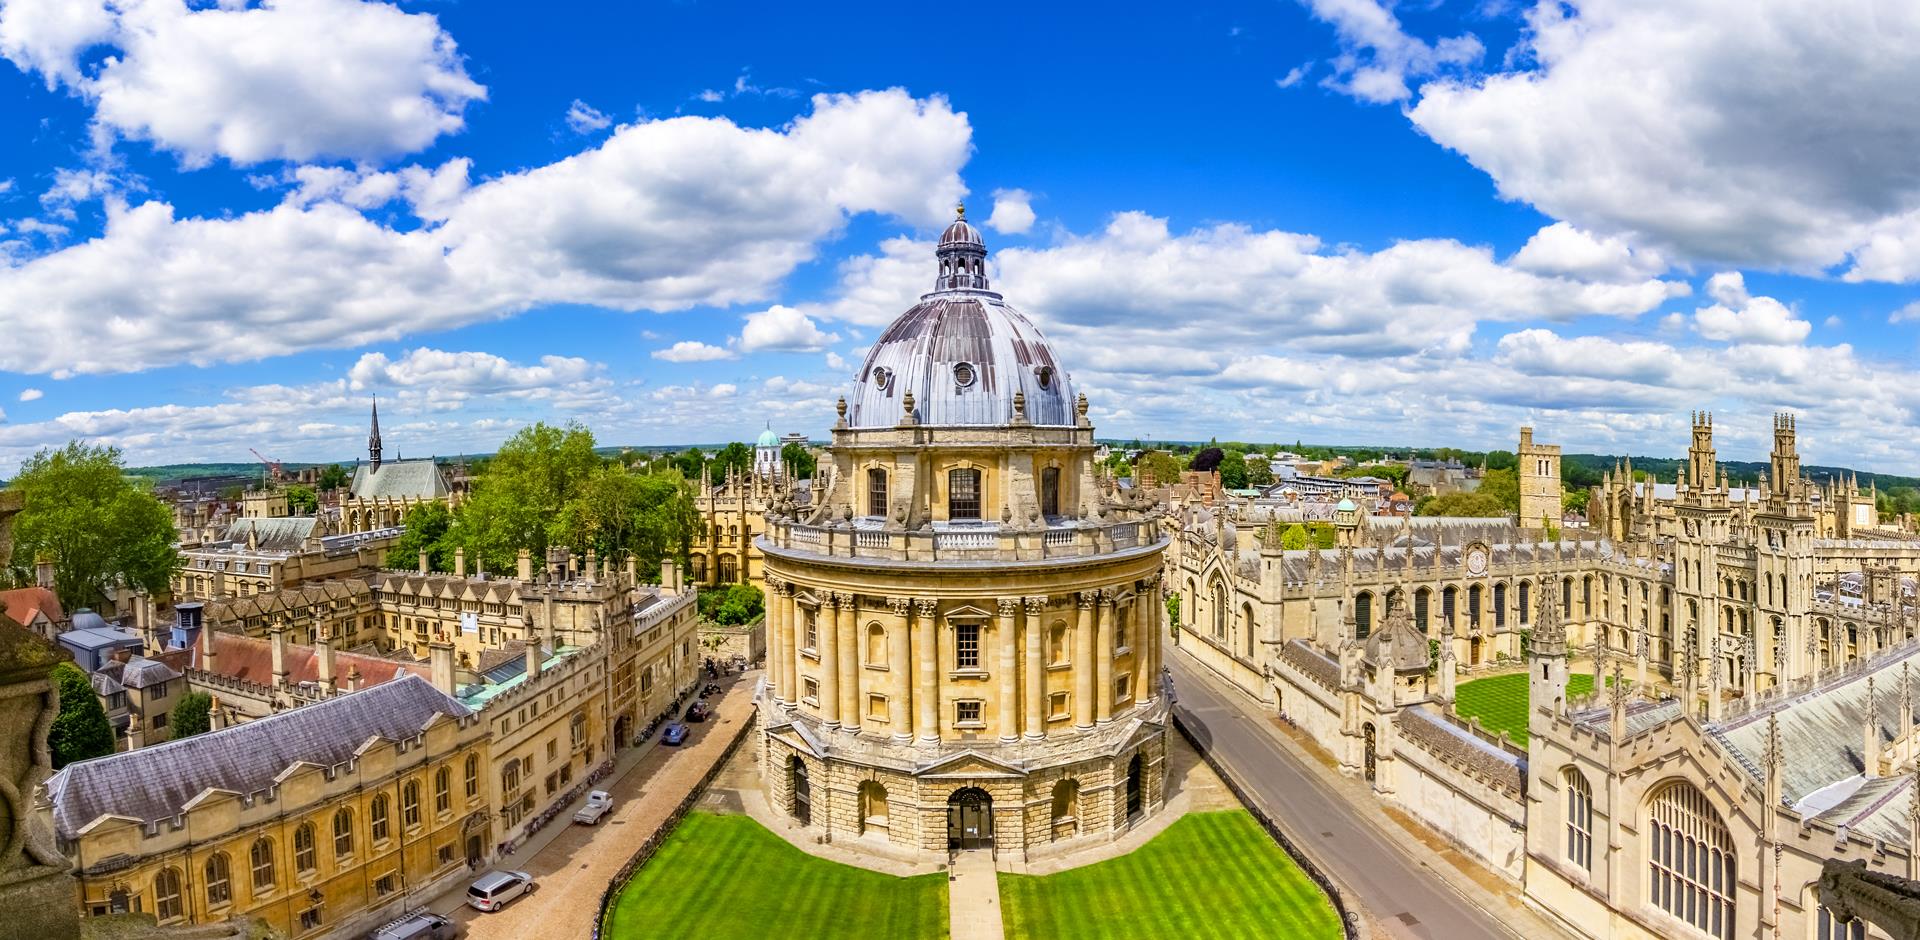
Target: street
[{"x": 1387, "y": 880}]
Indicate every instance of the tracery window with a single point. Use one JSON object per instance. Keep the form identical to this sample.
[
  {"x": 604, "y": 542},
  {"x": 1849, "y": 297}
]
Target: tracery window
[
  {"x": 166, "y": 894},
  {"x": 410, "y": 804},
  {"x": 1690, "y": 860},
  {"x": 377, "y": 818},
  {"x": 343, "y": 832},
  {"x": 303, "y": 853},
  {"x": 1579, "y": 800},
  {"x": 219, "y": 880},
  {"x": 1362, "y": 615},
  {"x": 261, "y": 857},
  {"x": 1828, "y": 926}
]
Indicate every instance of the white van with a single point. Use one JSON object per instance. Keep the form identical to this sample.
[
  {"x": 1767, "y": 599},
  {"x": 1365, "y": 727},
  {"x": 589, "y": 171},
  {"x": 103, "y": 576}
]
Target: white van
[
  {"x": 419, "y": 925},
  {"x": 496, "y": 888}
]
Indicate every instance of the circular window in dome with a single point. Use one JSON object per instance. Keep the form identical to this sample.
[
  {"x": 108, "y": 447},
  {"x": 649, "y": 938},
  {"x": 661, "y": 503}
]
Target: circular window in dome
[
  {"x": 1045, "y": 375},
  {"x": 963, "y": 374},
  {"x": 883, "y": 377}
]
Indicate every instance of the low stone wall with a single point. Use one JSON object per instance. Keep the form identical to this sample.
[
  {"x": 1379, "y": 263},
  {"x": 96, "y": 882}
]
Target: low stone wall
[{"x": 1472, "y": 792}]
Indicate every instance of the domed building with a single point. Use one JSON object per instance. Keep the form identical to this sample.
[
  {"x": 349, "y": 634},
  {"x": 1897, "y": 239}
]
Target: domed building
[{"x": 964, "y": 624}]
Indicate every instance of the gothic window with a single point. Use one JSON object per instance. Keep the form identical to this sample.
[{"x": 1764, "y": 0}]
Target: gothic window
[
  {"x": 261, "y": 857},
  {"x": 1219, "y": 611},
  {"x": 410, "y": 804},
  {"x": 1586, "y": 596},
  {"x": 303, "y": 854},
  {"x": 1829, "y": 926},
  {"x": 219, "y": 880},
  {"x": 963, "y": 493},
  {"x": 1420, "y": 601},
  {"x": 343, "y": 832},
  {"x": 699, "y": 568},
  {"x": 473, "y": 776},
  {"x": 876, "y": 645},
  {"x": 876, "y": 492},
  {"x": 729, "y": 569},
  {"x": 1050, "y": 491},
  {"x": 1566, "y": 597},
  {"x": 1473, "y": 606},
  {"x": 1579, "y": 800},
  {"x": 377, "y": 813},
  {"x": 1691, "y": 863},
  {"x": 1246, "y": 630},
  {"x": 1362, "y": 615},
  {"x": 1500, "y": 604},
  {"x": 966, "y": 646},
  {"x": 1449, "y": 599},
  {"x": 166, "y": 894},
  {"x": 443, "y": 790},
  {"x": 1526, "y": 601}
]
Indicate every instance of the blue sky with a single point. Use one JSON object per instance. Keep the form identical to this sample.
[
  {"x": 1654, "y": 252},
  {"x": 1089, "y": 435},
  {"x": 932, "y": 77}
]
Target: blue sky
[{"x": 230, "y": 225}]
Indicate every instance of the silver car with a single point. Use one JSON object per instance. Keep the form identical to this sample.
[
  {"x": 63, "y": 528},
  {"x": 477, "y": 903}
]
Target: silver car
[{"x": 496, "y": 888}]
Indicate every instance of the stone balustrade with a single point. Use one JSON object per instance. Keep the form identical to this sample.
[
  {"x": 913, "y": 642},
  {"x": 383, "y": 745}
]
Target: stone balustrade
[{"x": 986, "y": 542}]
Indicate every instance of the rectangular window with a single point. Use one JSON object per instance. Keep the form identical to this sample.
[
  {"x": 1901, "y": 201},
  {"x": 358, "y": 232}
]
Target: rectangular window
[
  {"x": 310, "y": 919},
  {"x": 1050, "y": 491},
  {"x": 876, "y": 708},
  {"x": 1058, "y": 707},
  {"x": 1123, "y": 688},
  {"x": 966, "y": 646},
  {"x": 963, "y": 494},
  {"x": 810, "y": 691},
  {"x": 383, "y": 886},
  {"x": 967, "y": 714},
  {"x": 876, "y": 492},
  {"x": 812, "y": 619}
]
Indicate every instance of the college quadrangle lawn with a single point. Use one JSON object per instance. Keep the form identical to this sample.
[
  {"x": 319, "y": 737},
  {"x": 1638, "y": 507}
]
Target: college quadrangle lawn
[
  {"x": 1500, "y": 702},
  {"x": 1210, "y": 876},
  {"x": 727, "y": 876}
]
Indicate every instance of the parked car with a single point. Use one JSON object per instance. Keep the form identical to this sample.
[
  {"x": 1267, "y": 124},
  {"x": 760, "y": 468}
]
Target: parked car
[
  {"x": 496, "y": 888},
  {"x": 699, "y": 711},
  {"x": 675, "y": 734},
  {"x": 599, "y": 803},
  {"x": 419, "y": 925}
]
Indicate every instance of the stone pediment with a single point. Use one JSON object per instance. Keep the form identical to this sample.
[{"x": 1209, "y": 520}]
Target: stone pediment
[
  {"x": 796, "y": 735},
  {"x": 967, "y": 612},
  {"x": 970, "y": 764}
]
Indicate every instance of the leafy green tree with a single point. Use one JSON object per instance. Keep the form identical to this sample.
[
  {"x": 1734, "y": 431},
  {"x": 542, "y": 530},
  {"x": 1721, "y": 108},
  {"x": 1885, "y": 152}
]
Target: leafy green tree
[
  {"x": 1500, "y": 460},
  {"x": 1173, "y": 612},
  {"x": 80, "y": 730},
  {"x": 333, "y": 477},
  {"x": 617, "y": 511},
  {"x": 301, "y": 501},
  {"x": 1389, "y": 471},
  {"x": 1233, "y": 472},
  {"x": 1259, "y": 470},
  {"x": 733, "y": 605},
  {"x": 1165, "y": 467},
  {"x": 427, "y": 528},
  {"x": 1575, "y": 500},
  {"x": 1117, "y": 464},
  {"x": 1294, "y": 538},
  {"x": 735, "y": 457},
  {"x": 98, "y": 527},
  {"x": 1504, "y": 487},
  {"x": 191, "y": 715},
  {"x": 1460, "y": 504},
  {"x": 797, "y": 456},
  {"x": 690, "y": 461},
  {"x": 518, "y": 501}
]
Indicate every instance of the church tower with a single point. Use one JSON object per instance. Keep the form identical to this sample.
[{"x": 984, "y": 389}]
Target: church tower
[
  {"x": 373, "y": 439},
  {"x": 1539, "y": 473}
]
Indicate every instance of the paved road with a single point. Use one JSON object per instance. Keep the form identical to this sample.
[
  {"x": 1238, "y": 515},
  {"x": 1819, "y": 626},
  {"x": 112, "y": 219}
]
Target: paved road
[{"x": 1403, "y": 899}]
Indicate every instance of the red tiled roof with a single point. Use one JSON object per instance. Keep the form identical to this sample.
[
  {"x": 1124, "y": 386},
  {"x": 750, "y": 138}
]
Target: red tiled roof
[
  {"x": 251, "y": 658},
  {"x": 23, "y": 604}
]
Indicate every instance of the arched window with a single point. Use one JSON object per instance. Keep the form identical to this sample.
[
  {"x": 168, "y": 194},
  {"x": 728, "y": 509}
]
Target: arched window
[
  {"x": 876, "y": 492},
  {"x": 1050, "y": 491},
  {"x": 410, "y": 804},
  {"x": 1473, "y": 607},
  {"x": 166, "y": 895},
  {"x": 1526, "y": 601},
  {"x": 473, "y": 776},
  {"x": 1829, "y": 926},
  {"x": 510, "y": 776},
  {"x": 443, "y": 790},
  {"x": 1578, "y": 796},
  {"x": 303, "y": 853},
  {"x": 1421, "y": 599},
  {"x": 729, "y": 569},
  {"x": 699, "y": 568},
  {"x": 876, "y": 645},
  {"x": 963, "y": 493},
  {"x": 1246, "y": 630},
  {"x": 1219, "y": 611},
  {"x": 1690, "y": 860},
  {"x": 377, "y": 817},
  {"x": 1057, "y": 643},
  {"x": 219, "y": 880},
  {"x": 343, "y": 832},
  {"x": 1500, "y": 604},
  {"x": 1066, "y": 809},
  {"x": 1362, "y": 615},
  {"x": 1449, "y": 604},
  {"x": 261, "y": 857}
]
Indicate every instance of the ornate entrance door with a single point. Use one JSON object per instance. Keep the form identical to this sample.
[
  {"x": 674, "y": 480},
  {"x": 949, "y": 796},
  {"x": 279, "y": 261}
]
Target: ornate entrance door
[
  {"x": 802, "y": 793},
  {"x": 969, "y": 819}
]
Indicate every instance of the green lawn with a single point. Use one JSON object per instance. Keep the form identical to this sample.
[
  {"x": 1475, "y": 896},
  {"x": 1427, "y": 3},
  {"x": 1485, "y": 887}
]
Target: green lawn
[
  {"x": 1210, "y": 876},
  {"x": 727, "y": 876},
  {"x": 1500, "y": 702}
]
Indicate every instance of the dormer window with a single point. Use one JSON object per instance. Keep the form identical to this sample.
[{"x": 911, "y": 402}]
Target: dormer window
[{"x": 963, "y": 374}]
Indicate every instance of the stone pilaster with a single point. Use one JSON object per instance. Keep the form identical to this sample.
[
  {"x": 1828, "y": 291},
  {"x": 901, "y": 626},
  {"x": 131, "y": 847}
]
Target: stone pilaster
[
  {"x": 1103, "y": 659},
  {"x": 1007, "y": 638},
  {"x": 1083, "y": 669},
  {"x": 899, "y": 669},
  {"x": 847, "y": 631},
  {"x": 1036, "y": 672},
  {"x": 926, "y": 659}
]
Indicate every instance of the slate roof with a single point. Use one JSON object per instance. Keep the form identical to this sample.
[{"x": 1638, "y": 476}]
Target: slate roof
[
  {"x": 400, "y": 479},
  {"x": 156, "y": 783},
  {"x": 284, "y": 534},
  {"x": 137, "y": 672}
]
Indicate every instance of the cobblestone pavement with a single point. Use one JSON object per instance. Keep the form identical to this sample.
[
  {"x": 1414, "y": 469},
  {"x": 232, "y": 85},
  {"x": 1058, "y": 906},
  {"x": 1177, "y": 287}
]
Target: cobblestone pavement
[{"x": 571, "y": 864}]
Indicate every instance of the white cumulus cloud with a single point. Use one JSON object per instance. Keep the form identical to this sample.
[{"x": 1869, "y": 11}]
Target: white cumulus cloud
[
  {"x": 782, "y": 328},
  {"x": 585, "y": 118},
  {"x": 1012, "y": 211},
  {"x": 690, "y": 351},
  {"x": 1740, "y": 317},
  {"x": 31, "y": 394}
]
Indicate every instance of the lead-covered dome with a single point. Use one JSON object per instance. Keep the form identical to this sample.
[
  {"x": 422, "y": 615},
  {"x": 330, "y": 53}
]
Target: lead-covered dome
[{"x": 962, "y": 352}]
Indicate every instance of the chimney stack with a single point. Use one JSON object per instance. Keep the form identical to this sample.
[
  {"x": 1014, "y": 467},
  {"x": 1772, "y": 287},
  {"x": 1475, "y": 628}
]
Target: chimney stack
[
  {"x": 525, "y": 562},
  {"x": 323, "y": 649},
  {"x": 440, "y": 659},
  {"x": 43, "y": 574},
  {"x": 459, "y": 562},
  {"x": 278, "y": 632},
  {"x": 666, "y": 576},
  {"x": 423, "y": 561},
  {"x": 633, "y": 570}
]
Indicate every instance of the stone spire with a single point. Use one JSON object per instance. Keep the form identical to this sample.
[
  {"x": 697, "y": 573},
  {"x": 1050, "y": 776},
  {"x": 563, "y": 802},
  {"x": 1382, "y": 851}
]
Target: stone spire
[
  {"x": 1547, "y": 659},
  {"x": 373, "y": 438}
]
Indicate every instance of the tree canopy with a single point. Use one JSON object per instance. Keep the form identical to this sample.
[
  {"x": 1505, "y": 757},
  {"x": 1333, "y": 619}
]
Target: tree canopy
[
  {"x": 191, "y": 715},
  {"x": 525, "y": 488},
  {"x": 1459, "y": 504},
  {"x": 301, "y": 500},
  {"x": 427, "y": 528},
  {"x": 333, "y": 477},
  {"x": 733, "y": 605},
  {"x": 98, "y": 527},
  {"x": 1207, "y": 460},
  {"x": 1504, "y": 487},
  {"x": 797, "y": 456},
  {"x": 80, "y": 730}
]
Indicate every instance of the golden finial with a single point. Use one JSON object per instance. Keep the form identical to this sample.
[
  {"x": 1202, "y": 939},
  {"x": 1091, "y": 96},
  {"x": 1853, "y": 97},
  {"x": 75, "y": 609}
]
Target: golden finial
[{"x": 960, "y": 211}]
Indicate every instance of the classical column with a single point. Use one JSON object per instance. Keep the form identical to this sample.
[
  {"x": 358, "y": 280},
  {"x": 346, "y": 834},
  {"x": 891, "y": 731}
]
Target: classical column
[
  {"x": 1008, "y": 711},
  {"x": 1103, "y": 659},
  {"x": 899, "y": 669},
  {"x": 1144, "y": 642},
  {"x": 776, "y": 608},
  {"x": 827, "y": 646},
  {"x": 926, "y": 658},
  {"x": 848, "y": 632},
  {"x": 1083, "y": 662},
  {"x": 1036, "y": 716}
]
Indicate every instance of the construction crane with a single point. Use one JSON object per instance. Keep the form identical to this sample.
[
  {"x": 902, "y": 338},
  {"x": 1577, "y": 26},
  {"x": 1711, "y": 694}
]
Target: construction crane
[{"x": 273, "y": 466}]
